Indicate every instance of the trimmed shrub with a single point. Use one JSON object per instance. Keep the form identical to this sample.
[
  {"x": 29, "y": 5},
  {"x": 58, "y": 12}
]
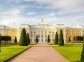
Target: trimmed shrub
[
  {"x": 28, "y": 38},
  {"x": 56, "y": 38},
  {"x": 69, "y": 39},
  {"x": 61, "y": 39},
  {"x": 5, "y": 38},
  {"x": 0, "y": 43},
  {"x": 23, "y": 38},
  {"x": 36, "y": 39},
  {"x": 82, "y": 54},
  {"x": 78, "y": 38},
  {"x": 15, "y": 40},
  {"x": 48, "y": 39}
]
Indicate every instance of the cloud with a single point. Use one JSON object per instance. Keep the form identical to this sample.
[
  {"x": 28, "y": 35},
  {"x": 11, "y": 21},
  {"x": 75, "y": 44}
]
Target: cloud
[
  {"x": 53, "y": 11},
  {"x": 69, "y": 5},
  {"x": 31, "y": 13}
]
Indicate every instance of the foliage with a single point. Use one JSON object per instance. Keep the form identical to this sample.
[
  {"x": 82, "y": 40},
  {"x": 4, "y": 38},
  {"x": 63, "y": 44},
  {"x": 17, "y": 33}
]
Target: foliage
[
  {"x": 61, "y": 39},
  {"x": 15, "y": 40},
  {"x": 56, "y": 38},
  {"x": 5, "y": 38},
  {"x": 78, "y": 38},
  {"x": 48, "y": 39},
  {"x": 28, "y": 38},
  {"x": 82, "y": 54},
  {"x": 69, "y": 39},
  {"x": 36, "y": 39},
  {"x": 23, "y": 38}
]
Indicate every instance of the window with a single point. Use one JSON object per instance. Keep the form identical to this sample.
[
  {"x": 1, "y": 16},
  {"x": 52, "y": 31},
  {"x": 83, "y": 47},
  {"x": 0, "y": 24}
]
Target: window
[
  {"x": 53, "y": 39},
  {"x": 34, "y": 39},
  {"x": 52, "y": 32},
  {"x": 42, "y": 40},
  {"x": 31, "y": 31},
  {"x": 42, "y": 36},
  {"x": 45, "y": 32},
  {"x": 49, "y": 31},
  {"x": 34, "y": 31},
  {"x": 45, "y": 39},
  {"x": 38, "y": 31},
  {"x": 31, "y": 39}
]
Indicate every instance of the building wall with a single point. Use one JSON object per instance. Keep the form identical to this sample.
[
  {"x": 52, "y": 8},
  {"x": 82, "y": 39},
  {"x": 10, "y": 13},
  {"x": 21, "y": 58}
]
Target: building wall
[
  {"x": 43, "y": 33},
  {"x": 9, "y": 32},
  {"x": 71, "y": 32}
]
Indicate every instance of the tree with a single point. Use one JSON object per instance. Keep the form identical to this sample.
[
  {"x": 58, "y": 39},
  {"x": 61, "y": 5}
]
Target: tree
[
  {"x": 69, "y": 39},
  {"x": 61, "y": 39},
  {"x": 0, "y": 43},
  {"x": 82, "y": 54},
  {"x": 48, "y": 40},
  {"x": 15, "y": 40},
  {"x": 23, "y": 38},
  {"x": 56, "y": 38},
  {"x": 36, "y": 39},
  {"x": 28, "y": 38}
]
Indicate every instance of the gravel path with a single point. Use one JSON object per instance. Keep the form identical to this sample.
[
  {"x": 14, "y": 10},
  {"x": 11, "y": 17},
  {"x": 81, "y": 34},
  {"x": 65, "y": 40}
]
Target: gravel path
[{"x": 39, "y": 53}]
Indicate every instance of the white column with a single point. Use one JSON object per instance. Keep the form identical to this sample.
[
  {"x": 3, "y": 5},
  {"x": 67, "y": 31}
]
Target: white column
[{"x": 64, "y": 35}]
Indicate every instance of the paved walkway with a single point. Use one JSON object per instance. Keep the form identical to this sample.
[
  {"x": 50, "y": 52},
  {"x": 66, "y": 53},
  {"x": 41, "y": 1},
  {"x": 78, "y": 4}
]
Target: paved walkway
[{"x": 39, "y": 53}]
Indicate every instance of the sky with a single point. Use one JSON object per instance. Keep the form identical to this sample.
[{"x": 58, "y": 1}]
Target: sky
[{"x": 69, "y": 12}]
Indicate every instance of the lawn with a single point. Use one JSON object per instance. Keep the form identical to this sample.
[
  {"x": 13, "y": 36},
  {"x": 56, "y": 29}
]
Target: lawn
[
  {"x": 70, "y": 51},
  {"x": 8, "y": 51}
]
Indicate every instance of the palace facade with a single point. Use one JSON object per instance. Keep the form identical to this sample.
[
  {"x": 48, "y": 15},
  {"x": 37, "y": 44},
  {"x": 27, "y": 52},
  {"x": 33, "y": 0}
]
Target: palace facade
[{"x": 42, "y": 30}]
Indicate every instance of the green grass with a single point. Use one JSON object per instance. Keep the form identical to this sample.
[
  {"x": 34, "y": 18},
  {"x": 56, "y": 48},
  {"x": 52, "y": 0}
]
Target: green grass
[
  {"x": 33, "y": 43},
  {"x": 70, "y": 51},
  {"x": 8, "y": 51}
]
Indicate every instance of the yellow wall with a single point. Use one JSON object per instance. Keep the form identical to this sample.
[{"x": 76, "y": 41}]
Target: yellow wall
[{"x": 67, "y": 32}]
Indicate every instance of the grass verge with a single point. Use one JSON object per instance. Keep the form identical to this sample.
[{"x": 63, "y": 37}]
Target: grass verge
[
  {"x": 70, "y": 51},
  {"x": 9, "y": 51}
]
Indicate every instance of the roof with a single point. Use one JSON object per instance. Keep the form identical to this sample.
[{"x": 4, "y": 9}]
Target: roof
[{"x": 46, "y": 26}]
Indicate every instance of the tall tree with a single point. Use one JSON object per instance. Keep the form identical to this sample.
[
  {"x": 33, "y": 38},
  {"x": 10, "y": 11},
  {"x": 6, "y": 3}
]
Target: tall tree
[
  {"x": 61, "y": 39},
  {"x": 28, "y": 38},
  {"x": 36, "y": 39},
  {"x": 82, "y": 54},
  {"x": 56, "y": 38},
  {"x": 48, "y": 39},
  {"x": 0, "y": 42},
  {"x": 15, "y": 40},
  {"x": 23, "y": 38},
  {"x": 69, "y": 39}
]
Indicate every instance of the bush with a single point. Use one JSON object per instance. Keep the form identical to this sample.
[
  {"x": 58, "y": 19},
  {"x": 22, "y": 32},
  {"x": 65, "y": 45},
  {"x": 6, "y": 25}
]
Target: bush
[
  {"x": 5, "y": 38},
  {"x": 15, "y": 40},
  {"x": 23, "y": 38},
  {"x": 28, "y": 38},
  {"x": 36, "y": 39},
  {"x": 56, "y": 38},
  {"x": 48, "y": 40},
  {"x": 78, "y": 38},
  {"x": 61, "y": 39},
  {"x": 69, "y": 39},
  {"x": 82, "y": 54}
]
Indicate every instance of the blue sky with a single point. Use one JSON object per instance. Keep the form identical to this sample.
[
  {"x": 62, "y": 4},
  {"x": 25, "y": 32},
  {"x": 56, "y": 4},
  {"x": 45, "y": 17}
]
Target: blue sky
[{"x": 32, "y": 11}]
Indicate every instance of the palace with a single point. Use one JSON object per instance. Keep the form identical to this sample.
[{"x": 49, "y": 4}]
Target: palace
[{"x": 42, "y": 30}]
